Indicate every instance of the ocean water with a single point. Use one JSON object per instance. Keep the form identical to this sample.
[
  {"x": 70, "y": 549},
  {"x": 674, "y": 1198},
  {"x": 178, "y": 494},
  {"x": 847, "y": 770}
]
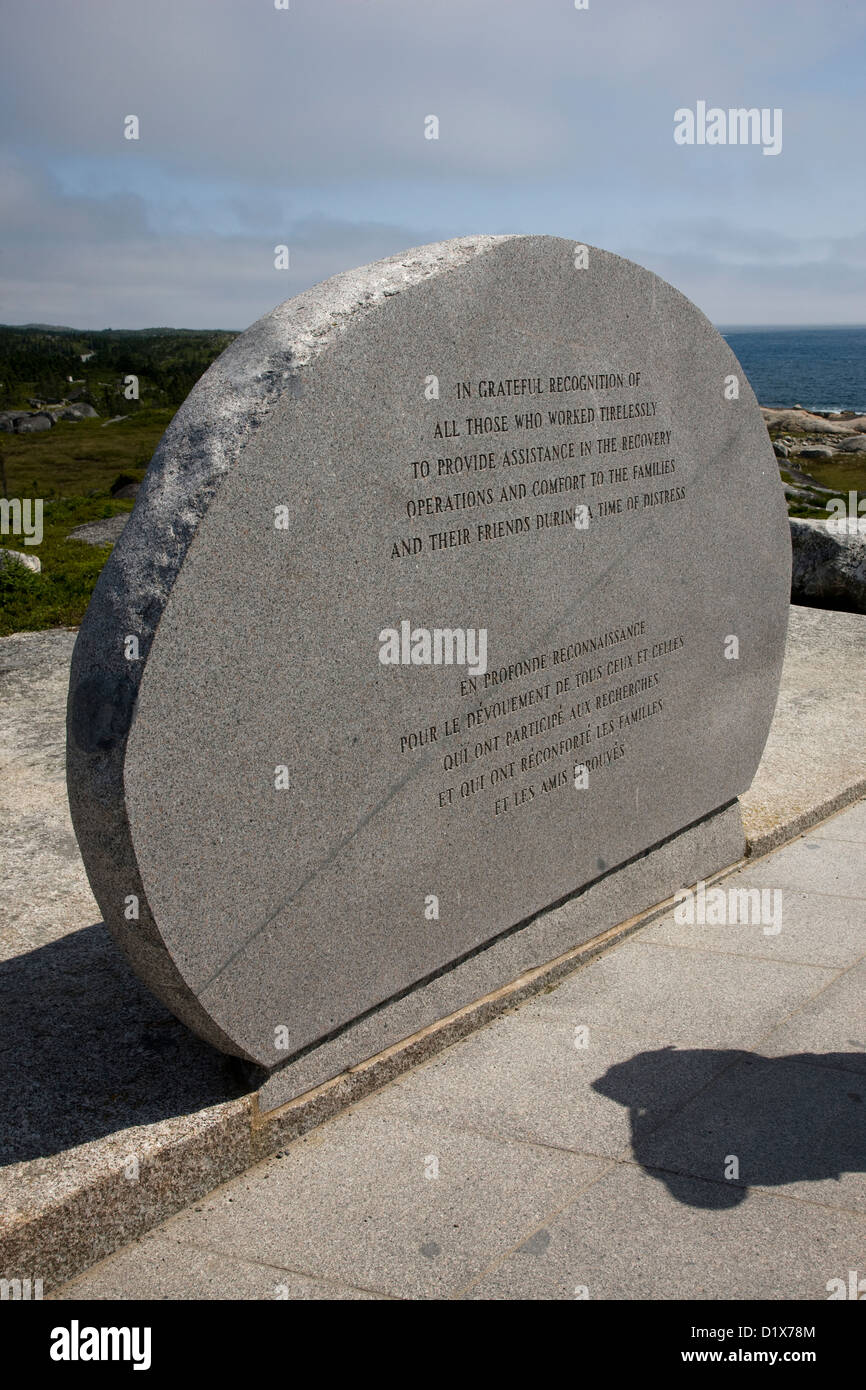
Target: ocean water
[{"x": 818, "y": 368}]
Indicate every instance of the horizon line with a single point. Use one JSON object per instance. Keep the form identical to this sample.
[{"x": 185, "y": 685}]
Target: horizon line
[{"x": 177, "y": 328}]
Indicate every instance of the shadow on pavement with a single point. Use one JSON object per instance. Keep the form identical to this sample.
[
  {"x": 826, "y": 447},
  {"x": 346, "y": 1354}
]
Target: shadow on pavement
[
  {"x": 86, "y": 1050},
  {"x": 759, "y": 1122}
]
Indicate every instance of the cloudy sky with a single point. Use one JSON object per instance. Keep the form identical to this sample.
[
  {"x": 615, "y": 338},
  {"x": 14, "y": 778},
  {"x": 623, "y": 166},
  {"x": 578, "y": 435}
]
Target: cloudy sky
[{"x": 306, "y": 126}]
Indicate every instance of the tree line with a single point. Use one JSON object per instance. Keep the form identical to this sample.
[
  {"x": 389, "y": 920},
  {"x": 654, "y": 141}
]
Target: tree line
[{"x": 37, "y": 361}]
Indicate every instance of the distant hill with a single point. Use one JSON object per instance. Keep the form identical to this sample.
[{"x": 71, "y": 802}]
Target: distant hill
[
  {"x": 38, "y": 360},
  {"x": 64, "y": 328}
]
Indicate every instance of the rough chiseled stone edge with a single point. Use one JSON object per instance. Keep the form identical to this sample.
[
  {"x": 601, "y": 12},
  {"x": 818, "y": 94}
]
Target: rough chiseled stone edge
[{"x": 203, "y": 442}]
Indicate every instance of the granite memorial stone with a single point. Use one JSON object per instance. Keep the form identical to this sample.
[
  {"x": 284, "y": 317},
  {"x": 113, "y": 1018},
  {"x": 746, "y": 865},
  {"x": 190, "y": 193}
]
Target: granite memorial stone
[{"x": 458, "y": 583}]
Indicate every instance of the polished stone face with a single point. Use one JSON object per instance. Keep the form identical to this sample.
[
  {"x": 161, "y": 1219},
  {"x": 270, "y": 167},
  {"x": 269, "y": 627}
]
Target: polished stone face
[{"x": 458, "y": 582}]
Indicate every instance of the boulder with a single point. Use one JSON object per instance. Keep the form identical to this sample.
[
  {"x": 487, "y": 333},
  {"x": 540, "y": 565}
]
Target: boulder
[
  {"x": 103, "y": 532},
  {"x": 780, "y": 450},
  {"x": 817, "y": 451},
  {"x": 803, "y": 422},
  {"x": 18, "y": 557},
  {"x": 27, "y": 424},
  {"x": 855, "y": 445},
  {"x": 829, "y": 566},
  {"x": 9, "y": 419},
  {"x": 79, "y": 411}
]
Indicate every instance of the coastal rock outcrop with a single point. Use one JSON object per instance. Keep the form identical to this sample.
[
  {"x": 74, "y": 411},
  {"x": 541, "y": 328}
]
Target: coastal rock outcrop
[{"x": 829, "y": 564}]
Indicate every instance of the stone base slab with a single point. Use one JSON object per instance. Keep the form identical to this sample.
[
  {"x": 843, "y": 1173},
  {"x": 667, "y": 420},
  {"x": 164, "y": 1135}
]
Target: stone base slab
[{"x": 529, "y": 953}]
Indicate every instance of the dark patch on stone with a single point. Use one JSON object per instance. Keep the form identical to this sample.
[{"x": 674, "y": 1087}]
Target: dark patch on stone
[{"x": 98, "y": 712}]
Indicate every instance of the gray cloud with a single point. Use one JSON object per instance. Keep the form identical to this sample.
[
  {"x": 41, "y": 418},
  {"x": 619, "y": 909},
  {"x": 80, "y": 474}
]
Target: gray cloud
[
  {"x": 306, "y": 126},
  {"x": 96, "y": 263}
]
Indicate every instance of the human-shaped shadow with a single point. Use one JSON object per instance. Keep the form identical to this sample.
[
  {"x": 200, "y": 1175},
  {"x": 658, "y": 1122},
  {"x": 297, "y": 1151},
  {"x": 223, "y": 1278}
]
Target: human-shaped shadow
[{"x": 754, "y": 1122}]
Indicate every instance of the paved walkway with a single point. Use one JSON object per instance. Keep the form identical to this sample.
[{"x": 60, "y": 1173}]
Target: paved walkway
[{"x": 683, "y": 1118}]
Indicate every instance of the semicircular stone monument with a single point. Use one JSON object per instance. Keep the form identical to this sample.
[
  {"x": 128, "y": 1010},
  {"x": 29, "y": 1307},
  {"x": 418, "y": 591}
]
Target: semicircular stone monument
[{"x": 456, "y": 590}]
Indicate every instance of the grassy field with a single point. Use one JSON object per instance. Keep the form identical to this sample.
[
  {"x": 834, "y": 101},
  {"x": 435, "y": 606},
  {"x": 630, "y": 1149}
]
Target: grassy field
[
  {"x": 78, "y": 458},
  {"x": 59, "y": 595},
  {"x": 72, "y": 467}
]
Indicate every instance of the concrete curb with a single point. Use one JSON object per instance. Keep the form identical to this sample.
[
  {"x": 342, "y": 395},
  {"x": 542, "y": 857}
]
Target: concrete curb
[{"x": 763, "y": 842}]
